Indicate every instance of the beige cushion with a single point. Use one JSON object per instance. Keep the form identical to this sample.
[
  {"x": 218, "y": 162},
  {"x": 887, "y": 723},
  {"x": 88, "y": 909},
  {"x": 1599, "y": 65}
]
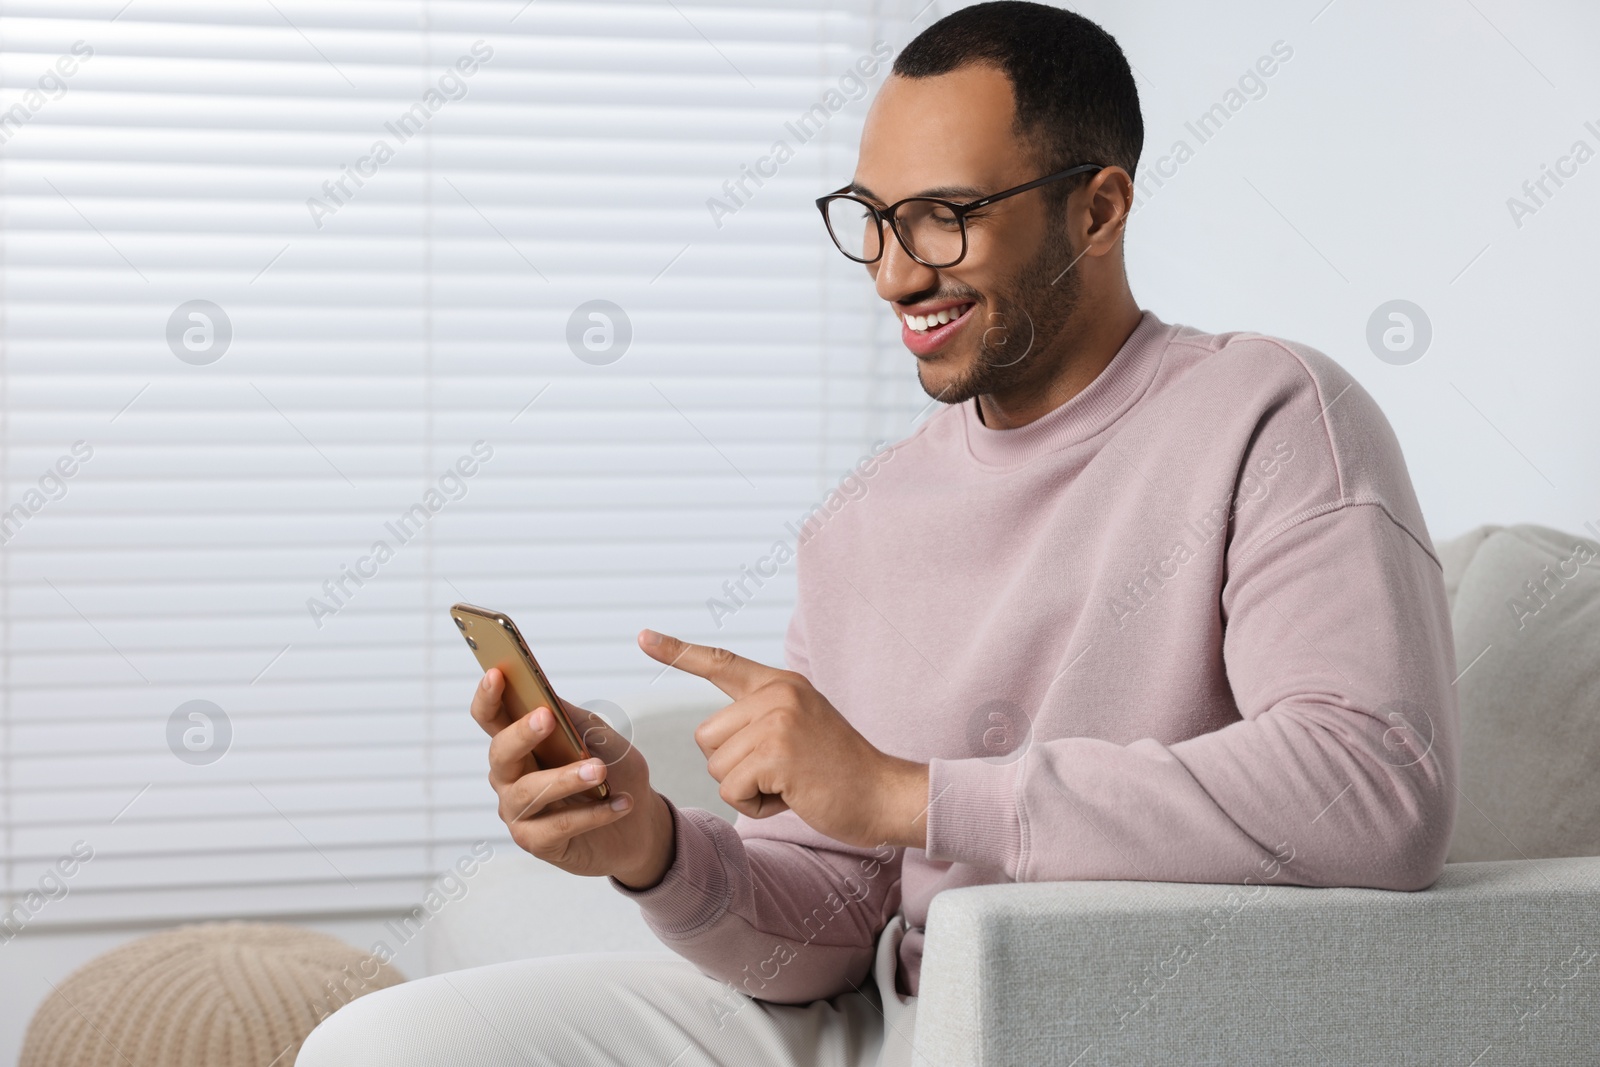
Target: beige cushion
[
  {"x": 677, "y": 766},
  {"x": 228, "y": 994},
  {"x": 1527, "y": 600},
  {"x": 1456, "y": 555}
]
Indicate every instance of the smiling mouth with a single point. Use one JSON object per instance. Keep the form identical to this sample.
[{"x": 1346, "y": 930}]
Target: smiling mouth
[
  {"x": 928, "y": 334},
  {"x": 921, "y": 324}
]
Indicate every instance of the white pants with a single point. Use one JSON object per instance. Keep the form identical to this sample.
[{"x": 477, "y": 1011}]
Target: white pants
[{"x": 652, "y": 1009}]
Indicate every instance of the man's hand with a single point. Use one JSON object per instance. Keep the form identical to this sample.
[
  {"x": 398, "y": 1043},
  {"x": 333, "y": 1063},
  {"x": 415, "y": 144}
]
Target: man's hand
[
  {"x": 543, "y": 811},
  {"x": 781, "y": 746}
]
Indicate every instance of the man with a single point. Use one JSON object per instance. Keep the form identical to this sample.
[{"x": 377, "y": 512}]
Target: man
[{"x": 1139, "y": 603}]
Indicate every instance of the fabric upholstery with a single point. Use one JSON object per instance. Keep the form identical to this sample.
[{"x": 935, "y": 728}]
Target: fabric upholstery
[
  {"x": 1527, "y": 631},
  {"x": 1456, "y": 554},
  {"x": 1497, "y": 957}
]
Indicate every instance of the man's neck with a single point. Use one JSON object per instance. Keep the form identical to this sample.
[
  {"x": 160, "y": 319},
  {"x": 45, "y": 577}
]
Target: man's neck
[{"x": 1088, "y": 352}]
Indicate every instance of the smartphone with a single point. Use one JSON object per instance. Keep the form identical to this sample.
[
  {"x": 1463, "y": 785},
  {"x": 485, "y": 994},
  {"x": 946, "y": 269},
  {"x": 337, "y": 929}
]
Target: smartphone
[{"x": 496, "y": 642}]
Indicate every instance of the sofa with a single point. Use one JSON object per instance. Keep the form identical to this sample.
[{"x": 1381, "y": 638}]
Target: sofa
[{"x": 1497, "y": 963}]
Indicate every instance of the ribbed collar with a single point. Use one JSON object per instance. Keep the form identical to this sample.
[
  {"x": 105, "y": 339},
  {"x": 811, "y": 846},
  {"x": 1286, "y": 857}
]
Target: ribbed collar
[{"x": 1102, "y": 403}]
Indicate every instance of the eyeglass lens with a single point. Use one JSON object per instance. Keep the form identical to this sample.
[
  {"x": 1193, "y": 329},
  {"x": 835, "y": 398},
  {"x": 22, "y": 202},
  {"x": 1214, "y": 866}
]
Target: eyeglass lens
[{"x": 930, "y": 230}]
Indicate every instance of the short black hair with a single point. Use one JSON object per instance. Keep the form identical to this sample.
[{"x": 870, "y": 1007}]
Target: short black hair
[{"x": 1076, "y": 101}]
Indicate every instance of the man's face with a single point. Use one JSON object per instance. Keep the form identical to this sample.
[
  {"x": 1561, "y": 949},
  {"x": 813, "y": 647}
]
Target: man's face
[{"x": 952, "y": 136}]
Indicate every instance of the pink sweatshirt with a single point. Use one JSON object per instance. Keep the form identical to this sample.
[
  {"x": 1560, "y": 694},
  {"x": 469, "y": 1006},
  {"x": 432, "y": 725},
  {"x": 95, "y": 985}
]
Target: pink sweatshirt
[{"x": 1187, "y": 627}]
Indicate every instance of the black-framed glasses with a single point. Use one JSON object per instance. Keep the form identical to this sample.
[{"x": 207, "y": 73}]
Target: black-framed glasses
[{"x": 932, "y": 230}]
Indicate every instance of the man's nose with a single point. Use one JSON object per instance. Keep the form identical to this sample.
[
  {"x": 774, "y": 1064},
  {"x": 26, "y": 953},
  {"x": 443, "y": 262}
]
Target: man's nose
[{"x": 897, "y": 275}]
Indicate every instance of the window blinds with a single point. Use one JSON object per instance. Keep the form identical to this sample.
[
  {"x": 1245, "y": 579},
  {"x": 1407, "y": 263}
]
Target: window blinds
[{"x": 320, "y": 316}]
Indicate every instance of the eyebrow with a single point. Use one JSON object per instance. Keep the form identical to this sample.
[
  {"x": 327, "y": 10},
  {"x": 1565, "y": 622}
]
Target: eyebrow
[{"x": 943, "y": 192}]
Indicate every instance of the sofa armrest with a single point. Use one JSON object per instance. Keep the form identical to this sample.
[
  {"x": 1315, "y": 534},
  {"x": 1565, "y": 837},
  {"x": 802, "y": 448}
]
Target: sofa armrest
[{"x": 1496, "y": 963}]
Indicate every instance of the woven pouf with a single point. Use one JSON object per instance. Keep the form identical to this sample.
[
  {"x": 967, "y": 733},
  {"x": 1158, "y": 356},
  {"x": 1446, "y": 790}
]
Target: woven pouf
[{"x": 211, "y": 995}]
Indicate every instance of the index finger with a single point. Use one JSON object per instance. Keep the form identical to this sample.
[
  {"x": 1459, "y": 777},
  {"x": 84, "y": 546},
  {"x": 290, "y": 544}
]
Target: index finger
[{"x": 734, "y": 675}]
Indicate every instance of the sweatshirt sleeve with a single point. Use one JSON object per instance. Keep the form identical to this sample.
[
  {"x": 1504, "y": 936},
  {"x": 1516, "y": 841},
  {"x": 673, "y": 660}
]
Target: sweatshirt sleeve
[
  {"x": 1341, "y": 770},
  {"x": 770, "y": 906}
]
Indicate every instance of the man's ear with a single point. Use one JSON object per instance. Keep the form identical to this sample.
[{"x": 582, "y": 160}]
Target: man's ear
[{"x": 1110, "y": 199}]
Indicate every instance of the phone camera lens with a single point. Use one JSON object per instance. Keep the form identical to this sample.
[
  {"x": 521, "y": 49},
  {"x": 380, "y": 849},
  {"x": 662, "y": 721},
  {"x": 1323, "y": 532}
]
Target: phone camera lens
[
  {"x": 459, "y": 624},
  {"x": 472, "y": 644}
]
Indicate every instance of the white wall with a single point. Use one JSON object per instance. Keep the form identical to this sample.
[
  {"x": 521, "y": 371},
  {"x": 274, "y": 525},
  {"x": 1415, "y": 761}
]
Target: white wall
[{"x": 1377, "y": 166}]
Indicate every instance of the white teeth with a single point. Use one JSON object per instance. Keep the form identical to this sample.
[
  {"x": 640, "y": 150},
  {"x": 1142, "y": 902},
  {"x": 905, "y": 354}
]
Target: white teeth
[{"x": 923, "y": 323}]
